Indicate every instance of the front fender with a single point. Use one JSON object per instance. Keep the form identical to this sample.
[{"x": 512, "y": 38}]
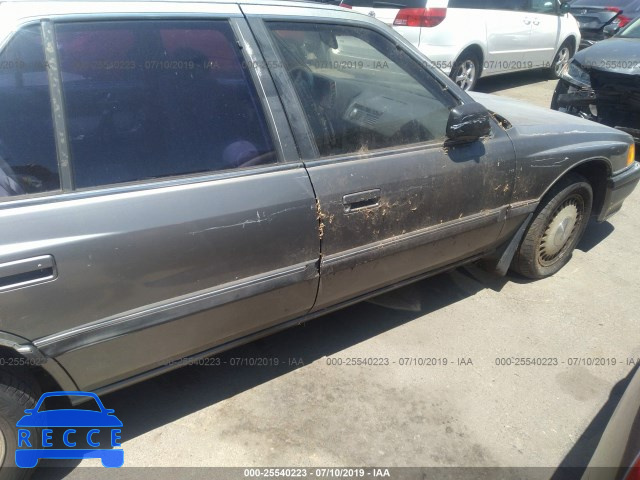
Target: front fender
[{"x": 548, "y": 144}]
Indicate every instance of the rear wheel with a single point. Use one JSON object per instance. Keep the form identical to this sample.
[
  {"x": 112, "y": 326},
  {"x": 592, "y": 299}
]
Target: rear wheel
[
  {"x": 17, "y": 392},
  {"x": 556, "y": 229},
  {"x": 466, "y": 71}
]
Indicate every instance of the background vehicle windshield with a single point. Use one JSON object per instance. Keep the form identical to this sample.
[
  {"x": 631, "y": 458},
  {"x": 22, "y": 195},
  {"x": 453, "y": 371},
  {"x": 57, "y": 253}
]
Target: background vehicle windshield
[
  {"x": 632, "y": 31},
  {"x": 57, "y": 403},
  {"x": 633, "y": 4}
]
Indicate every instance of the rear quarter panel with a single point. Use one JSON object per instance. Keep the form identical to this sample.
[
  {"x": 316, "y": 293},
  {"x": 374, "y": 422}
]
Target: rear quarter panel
[{"x": 461, "y": 28}]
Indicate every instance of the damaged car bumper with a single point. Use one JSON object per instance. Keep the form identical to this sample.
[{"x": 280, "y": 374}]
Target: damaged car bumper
[
  {"x": 602, "y": 83},
  {"x": 606, "y": 100}
]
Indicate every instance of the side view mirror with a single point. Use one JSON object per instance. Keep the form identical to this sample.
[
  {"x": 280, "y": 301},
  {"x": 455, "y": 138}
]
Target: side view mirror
[
  {"x": 565, "y": 8},
  {"x": 467, "y": 123}
]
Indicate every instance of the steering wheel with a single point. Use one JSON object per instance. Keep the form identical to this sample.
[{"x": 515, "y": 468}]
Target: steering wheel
[
  {"x": 303, "y": 82},
  {"x": 302, "y": 74},
  {"x": 8, "y": 182}
]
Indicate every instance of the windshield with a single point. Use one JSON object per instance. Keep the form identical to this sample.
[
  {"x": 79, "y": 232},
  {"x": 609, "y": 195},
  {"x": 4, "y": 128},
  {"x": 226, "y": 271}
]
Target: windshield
[
  {"x": 632, "y": 31},
  {"x": 57, "y": 403}
]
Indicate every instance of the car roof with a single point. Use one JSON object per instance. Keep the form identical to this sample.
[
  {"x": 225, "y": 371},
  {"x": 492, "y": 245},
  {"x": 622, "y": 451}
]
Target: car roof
[
  {"x": 97, "y": 6},
  {"x": 67, "y": 394},
  {"x": 14, "y": 13}
]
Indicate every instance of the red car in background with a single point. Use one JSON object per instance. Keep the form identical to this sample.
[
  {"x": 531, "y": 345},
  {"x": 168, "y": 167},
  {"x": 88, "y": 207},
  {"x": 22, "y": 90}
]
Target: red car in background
[{"x": 601, "y": 19}]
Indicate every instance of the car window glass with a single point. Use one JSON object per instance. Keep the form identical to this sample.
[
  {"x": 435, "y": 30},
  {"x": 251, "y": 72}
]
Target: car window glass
[
  {"x": 57, "y": 403},
  {"x": 605, "y": 3},
  {"x": 28, "y": 160},
  {"x": 358, "y": 91},
  {"x": 387, "y": 3},
  {"x": 476, "y": 4},
  {"x": 517, "y": 5},
  {"x": 632, "y": 31},
  {"x": 147, "y": 100},
  {"x": 543, "y": 6}
]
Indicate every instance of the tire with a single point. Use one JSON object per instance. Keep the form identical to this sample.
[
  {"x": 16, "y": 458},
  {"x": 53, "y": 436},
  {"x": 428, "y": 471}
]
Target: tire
[
  {"x": 561, "y": 88},
  {"x": 562, "y": 58},
  {"x": 466, "y": 71},
  {"x": 581, "y": 112},
  {"x": 16, "y": 394},
  {"x": 556, "y": 229}
]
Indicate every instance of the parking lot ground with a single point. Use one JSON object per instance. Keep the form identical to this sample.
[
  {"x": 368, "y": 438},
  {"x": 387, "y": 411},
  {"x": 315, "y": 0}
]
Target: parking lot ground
[
  {"x": 534, "y": 87},
  {"x": 319, "y": 408}
]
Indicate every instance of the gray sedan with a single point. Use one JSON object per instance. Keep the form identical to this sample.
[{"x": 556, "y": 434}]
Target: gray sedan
[{"x": 180, "y": 178}]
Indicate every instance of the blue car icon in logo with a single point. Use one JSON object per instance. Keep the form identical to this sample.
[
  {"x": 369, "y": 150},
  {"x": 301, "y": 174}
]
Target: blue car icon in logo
[{"x": 69, "y": 420}]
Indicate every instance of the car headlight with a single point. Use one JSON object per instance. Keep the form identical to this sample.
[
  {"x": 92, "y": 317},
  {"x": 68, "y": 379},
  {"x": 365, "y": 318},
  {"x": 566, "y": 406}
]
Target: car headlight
[
  {"x": 575, "y": 74},
  {"x": 631, "y": 154}
]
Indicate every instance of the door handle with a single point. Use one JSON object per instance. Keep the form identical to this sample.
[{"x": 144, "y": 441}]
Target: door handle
[
  {"x": 527, "y": 21},
  {"x": 536, "y": 21},
  {"x": 29, "y": 271},
  {"x": 361, "y": 200}
]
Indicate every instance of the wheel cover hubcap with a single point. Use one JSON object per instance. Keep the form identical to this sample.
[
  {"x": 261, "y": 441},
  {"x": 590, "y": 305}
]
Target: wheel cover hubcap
[
  {"x": 3, "y": 448},
  {"x": 465, "y": 75},
  {"x": 563, "y": 59},
  {"x": 561, "y": 230}
]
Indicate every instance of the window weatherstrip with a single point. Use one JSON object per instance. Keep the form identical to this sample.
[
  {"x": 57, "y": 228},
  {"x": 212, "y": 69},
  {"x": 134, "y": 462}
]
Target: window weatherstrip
[
  {"x": 57, "y": 105},
  {"x": 272, "y": 109},
  {"x": 292, "y": 106}
]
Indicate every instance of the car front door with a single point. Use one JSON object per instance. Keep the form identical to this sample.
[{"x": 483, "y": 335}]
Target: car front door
[
  {"x": 545, "y": 31},
  {"x": 393, "y": 202},
  {"x": 508, "y": 26},
  {"x": 176, "y": 219}
]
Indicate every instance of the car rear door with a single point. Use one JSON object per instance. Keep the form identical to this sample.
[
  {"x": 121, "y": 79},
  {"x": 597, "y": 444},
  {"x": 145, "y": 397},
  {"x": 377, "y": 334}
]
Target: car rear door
[
  {"x": 393, "y": 203},
  {"x": 177, "y": 217}
]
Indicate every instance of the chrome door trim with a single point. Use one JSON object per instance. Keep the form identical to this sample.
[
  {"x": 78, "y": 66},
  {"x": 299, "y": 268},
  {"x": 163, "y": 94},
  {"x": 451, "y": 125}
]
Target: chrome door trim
[{"x": 150, "y": 316}]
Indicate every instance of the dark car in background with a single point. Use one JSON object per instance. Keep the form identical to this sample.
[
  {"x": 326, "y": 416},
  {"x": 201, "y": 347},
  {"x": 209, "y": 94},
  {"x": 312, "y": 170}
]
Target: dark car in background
[
  {"x": 602, "y": 82},
  {"x": 601, "y": 19}
]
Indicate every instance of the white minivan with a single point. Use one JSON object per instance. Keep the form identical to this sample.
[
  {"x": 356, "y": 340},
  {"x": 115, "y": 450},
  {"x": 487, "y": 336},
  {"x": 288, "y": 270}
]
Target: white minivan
[{"x": 469, "y": 39}]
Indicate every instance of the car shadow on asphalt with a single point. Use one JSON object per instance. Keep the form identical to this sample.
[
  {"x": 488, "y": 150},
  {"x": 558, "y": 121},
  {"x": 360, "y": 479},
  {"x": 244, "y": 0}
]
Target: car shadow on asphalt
[
  {"x": 181, "y": 392},
  {"x": 511, "y": 80},
  {"x": 595, "y": 234},
  {"x": 206, "y": 385},
  {"x": 164, "y": 399},
  {"x": 575, "y": 462}
]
